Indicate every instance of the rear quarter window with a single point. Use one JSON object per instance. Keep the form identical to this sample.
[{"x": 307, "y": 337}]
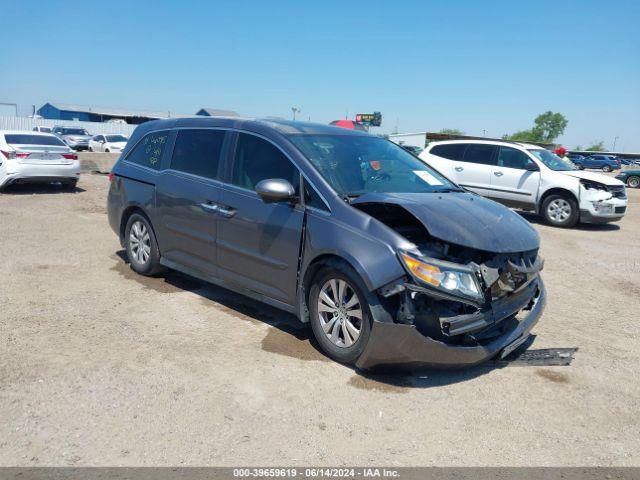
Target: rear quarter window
[
  {"x": 453, "y": 151},
  {"x": 148, "y": 152}
]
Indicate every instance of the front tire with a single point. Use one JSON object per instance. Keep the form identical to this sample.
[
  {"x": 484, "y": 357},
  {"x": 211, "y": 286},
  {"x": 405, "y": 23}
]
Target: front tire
[
  {"x": 560, "y": 211},
  {"x": 340, "y": 315},
  {"x": 633, "y": 182},
  {"x": 141, "y": 246},
  {"x": 606, "y": 168},
  {"x": 106, "y": 150}
]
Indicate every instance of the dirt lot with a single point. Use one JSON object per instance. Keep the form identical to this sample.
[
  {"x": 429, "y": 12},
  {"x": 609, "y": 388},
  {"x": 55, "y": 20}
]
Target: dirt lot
[{"x": 99, "y": 366}]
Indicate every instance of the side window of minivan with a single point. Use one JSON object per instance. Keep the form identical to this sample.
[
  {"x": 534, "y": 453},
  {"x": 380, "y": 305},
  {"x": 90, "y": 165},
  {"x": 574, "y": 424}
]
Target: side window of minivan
[
  {"x": 198, "y": 151},
  {"x": 513, "y": 158},
  {"x": 452, "y": 151},
  {"x": 148, "y": 152},
  {"x": 480, "y": 153},
  {"x": 257, "y": 159}
]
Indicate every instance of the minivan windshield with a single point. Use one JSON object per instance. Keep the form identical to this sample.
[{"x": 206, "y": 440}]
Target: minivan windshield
[
  {"x": 552, "y": 161},
  {"x": 355, "y": 165}
]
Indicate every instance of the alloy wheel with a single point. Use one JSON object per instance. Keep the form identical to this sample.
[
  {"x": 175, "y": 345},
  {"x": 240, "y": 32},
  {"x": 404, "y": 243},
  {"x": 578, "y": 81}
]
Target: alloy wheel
[
  {"x": 559, "y": 210},
  {"x": 634, "y": 182},
  {"x": 340, "y": 312},
  {"x": 140, "y": 243}
]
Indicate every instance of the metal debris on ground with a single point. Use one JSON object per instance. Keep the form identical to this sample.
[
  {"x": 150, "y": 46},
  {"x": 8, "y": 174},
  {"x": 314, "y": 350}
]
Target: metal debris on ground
[{"x": 540, "y": 357}]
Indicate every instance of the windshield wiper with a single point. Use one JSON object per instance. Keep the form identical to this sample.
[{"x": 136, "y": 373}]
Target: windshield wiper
[{"x": 448, "y": 190}]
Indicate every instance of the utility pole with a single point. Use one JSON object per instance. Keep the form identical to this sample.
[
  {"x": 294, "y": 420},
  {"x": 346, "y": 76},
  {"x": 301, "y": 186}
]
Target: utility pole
[
  {"x": 615, "y": 140},
  {"x": 295, "y": 110},
  {"x": 484, "y": 132}
]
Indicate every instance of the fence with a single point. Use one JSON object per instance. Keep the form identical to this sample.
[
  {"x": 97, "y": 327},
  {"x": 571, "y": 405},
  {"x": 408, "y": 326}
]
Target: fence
[{"x": 94, "y": 128}]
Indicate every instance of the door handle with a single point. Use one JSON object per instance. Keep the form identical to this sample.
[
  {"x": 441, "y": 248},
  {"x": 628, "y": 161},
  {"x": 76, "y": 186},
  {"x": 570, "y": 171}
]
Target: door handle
[
  {"x": 498, "y": 174},
  {"x": 226, "y": 212},
  {"x": 210, "y": 207},
  {"x": 459, "y": 169}
]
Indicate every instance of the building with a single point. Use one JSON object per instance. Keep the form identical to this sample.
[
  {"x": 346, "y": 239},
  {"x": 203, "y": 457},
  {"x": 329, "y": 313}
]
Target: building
[
  {"x": 422, "y": 139},
  {"x": 214, "y": 112},
  {"x": 84, "y": 113},
  {"x": 410, "y": 139}
]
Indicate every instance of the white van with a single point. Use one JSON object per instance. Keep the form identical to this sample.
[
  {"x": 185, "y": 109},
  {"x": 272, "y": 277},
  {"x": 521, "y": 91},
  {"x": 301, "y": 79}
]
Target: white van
[{"x": 530, "y": 177}]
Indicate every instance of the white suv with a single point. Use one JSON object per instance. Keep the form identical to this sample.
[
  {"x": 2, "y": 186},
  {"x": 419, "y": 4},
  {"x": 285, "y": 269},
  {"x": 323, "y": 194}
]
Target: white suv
[{"x": 529, "y": 177}]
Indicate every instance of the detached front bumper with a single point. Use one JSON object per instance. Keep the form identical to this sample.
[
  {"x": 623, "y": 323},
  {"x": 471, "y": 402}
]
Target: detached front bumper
[{"x": 396, "y": 344}]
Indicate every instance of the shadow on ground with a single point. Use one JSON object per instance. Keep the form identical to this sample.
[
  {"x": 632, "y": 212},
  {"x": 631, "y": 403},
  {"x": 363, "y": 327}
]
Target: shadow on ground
[
  {"x": 39, "y": 189},
  {"x": 587, "y": 227},
  {"x": 289, "y": 337}
]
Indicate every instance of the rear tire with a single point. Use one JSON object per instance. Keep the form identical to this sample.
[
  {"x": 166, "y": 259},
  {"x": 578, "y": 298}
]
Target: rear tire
[
  {"x": 70, "y": 185},
  {"x": 339, "y": 312},
  {"x": 141, "y": 246},
  {"x": 560, "y": 211},
  {"x": 633, "y": 181}
]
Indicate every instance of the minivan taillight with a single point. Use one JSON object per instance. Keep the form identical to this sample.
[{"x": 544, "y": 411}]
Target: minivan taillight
[{"x": 70, "y": 156}]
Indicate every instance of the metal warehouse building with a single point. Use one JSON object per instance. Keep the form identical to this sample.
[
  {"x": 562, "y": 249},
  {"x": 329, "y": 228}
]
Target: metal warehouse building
[{"x": 84, "y": 113}]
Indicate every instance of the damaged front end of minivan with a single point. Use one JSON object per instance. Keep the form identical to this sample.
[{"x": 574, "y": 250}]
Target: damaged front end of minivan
[{"x": 472, "y": 289}]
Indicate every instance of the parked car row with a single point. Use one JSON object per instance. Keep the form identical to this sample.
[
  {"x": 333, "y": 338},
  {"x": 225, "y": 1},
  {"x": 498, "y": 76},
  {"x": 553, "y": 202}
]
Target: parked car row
[
  {"x": 606, "y": 163},
  {"x": 77, "y": 138},
  {"x": 530, "y": 177}
]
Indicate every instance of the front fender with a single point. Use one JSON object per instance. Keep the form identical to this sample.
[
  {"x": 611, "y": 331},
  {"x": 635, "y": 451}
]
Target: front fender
[{"x": 375, "y": 261}]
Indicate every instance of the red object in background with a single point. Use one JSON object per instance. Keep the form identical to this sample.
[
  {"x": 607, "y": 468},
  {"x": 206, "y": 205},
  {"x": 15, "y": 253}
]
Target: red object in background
[
  {"x": 375, "y": 164},
  {"x": 349, "y": 125},
  {"x": 560, "y": 151}
]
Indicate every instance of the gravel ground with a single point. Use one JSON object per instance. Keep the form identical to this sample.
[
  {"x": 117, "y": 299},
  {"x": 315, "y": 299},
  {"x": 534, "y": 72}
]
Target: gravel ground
[{"x": 99, "y": 366}]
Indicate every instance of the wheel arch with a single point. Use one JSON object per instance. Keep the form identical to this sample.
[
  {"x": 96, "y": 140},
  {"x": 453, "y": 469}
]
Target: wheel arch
[
  {"x": 126, "y": 214},
  {"x": 557, "y": 191},
  {"x": 326, "y": 259}
]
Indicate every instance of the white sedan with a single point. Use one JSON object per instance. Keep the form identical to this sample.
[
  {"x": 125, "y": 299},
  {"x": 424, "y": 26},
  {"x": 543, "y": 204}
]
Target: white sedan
[
  {"x": 108, "y": 143},
  {"x": 36, "y": 157}
]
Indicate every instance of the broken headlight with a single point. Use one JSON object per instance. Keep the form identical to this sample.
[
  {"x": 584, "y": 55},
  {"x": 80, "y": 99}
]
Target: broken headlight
[
  {"x": 446, "y": 277},
  {"x": 591, "y": 185}
]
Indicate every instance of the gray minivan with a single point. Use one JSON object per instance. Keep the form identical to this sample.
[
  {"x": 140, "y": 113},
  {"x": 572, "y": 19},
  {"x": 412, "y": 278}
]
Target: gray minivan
[{"x": 390, "y": 262}]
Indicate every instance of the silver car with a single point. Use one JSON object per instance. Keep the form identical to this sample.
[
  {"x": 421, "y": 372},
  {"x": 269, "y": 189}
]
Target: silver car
[{"x": 76, "y": 138}]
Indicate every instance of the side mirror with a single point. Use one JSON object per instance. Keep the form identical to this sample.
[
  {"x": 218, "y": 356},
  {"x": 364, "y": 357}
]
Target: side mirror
[
  {"x": 532, "y": 167},
  {"x": 274, "y": 190}
]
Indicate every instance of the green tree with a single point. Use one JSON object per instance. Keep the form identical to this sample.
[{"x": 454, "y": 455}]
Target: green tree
[
  {"x": 596, "y": 147},
  {"x": 547, "y": 127},
  {"x": 452, "y": 131}
]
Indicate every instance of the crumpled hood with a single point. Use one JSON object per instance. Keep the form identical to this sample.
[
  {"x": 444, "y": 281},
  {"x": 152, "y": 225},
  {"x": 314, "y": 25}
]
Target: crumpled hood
[
  {"x": 594, "y": 177},
  {"x": 464, "y": 219}
]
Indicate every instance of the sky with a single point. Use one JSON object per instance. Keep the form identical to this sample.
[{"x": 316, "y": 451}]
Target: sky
[{"x": 484, "y": 67}]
